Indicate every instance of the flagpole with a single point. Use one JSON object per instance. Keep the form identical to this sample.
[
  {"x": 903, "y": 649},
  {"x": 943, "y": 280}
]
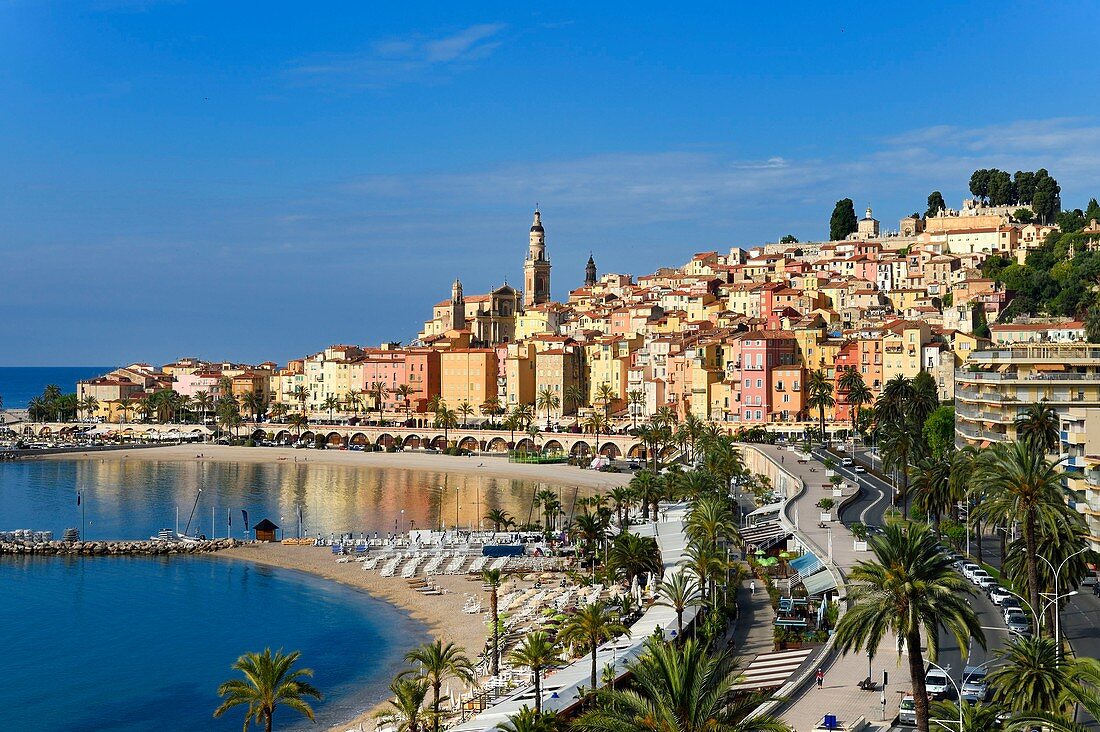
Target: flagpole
[{"x": 83, "y": 508}]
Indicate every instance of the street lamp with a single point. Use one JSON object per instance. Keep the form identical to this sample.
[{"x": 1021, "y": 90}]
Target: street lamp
[
  {"x": 1057, "y": 597},
  {"x": 958, "y": 692}
]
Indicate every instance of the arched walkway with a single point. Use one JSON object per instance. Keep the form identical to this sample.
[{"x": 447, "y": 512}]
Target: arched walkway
[
  {"x": 412, "y": 442},
  {"x": 611, "y": 450},
  {"x": 580, "y": 449},
  {"x": 469, "y": 443},
  {"x": 498, "y": 444},
  {"x": 552, "y": 446},
  {"x": 359, "y": 439}
]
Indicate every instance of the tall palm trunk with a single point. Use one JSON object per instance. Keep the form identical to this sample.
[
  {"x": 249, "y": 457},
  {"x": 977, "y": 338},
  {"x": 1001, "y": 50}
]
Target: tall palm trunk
[
  {"x": 495, "y": 668},
  {"x": 267, "y": 721},
  {"x": 595, "y": 646},
  {"x": 1032, "y": 563},
  {"x": 537, "y": 673},
  {"x": 435, "y": 704},
  {"x": 916, "y": 676}
]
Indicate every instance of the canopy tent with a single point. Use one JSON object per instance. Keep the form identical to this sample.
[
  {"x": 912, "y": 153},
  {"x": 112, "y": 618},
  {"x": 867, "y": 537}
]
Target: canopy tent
[
  {"x": 806, "y": 564},
  {"x": 820, "y": 583}
]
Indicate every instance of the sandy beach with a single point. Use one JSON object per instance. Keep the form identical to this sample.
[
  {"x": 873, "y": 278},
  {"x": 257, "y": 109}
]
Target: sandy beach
[{"x": 442, "y": 614}]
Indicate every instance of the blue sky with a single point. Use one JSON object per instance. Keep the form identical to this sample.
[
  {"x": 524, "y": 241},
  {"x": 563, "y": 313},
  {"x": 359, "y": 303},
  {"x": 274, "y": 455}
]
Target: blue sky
[{"x": 254, "y": 182}]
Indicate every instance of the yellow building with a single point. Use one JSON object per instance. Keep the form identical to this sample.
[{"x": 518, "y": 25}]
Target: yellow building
[
  {"x": 902, "y": 348},
  {"x": 468, "y": 375},
  {"x": 519, "y": 375}
]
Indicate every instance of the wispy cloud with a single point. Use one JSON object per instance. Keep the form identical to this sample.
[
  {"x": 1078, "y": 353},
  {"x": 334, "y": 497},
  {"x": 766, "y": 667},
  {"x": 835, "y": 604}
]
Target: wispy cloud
[{"x": 393, "y": 61}]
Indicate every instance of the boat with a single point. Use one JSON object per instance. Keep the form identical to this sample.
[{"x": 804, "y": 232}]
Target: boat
[{"x": 175, "y": 535}]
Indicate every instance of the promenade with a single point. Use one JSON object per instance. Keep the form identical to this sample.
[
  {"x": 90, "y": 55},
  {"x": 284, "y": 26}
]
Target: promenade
[{"x": 839, "y": 694}]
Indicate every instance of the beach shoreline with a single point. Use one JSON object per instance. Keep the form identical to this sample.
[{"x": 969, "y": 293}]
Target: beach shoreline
[{"x": 441, "y": 615}]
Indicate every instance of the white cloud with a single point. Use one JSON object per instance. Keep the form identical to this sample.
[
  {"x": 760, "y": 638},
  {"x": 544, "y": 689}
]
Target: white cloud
[{"x": 394, "y": 61}]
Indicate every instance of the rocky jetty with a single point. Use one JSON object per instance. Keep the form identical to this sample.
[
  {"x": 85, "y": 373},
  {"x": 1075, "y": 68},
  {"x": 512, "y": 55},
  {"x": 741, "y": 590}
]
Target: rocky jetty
[{"x": 114, "y": 548}]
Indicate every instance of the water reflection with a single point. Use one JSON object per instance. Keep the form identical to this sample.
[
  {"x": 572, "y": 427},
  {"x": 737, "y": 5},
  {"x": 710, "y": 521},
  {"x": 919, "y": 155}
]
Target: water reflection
[{"x": 128, "y": 498}]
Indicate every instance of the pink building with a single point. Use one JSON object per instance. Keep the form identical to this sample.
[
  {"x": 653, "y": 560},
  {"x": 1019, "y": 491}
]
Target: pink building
[
  {"x": 189, "y": 384},
  {"x": 761, "y": 352}
]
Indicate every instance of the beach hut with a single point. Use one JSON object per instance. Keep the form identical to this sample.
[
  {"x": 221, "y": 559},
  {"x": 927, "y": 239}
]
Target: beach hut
[{"x": 265, "y": 530}]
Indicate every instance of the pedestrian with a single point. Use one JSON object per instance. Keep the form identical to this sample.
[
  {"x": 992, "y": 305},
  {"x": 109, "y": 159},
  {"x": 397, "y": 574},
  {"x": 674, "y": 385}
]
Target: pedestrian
[
  {"x": 820, "y": 678},
  {"x": 752, "y": 587}
]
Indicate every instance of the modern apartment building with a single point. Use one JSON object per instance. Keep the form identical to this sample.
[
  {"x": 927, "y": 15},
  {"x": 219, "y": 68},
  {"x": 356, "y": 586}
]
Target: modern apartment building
[{"x": 996, "y": 385}]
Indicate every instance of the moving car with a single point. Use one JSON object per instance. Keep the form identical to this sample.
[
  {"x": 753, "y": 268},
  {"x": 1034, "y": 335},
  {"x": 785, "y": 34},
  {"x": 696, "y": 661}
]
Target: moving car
[
  {"x": 936, "y": 683},
  {"x": 907, "y": 712},
  {"x": 974, "y": 686},
  {"x": 860, "y": 469},
  {"x": 846, "y": 462}
]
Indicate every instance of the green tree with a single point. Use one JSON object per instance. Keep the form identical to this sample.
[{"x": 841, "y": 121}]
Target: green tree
[
  {"x": 377, "y": 392},
  {"x": 788, "y": 239},
  {"x": 403, "y": 392},
  {"x": 939, "y": 430},
  {"x": 589, "y": 626},
  {"x": 408, "y": 713},
  {"x": 537, "y": 652},
  {"x": 529, "y": 720},
  {"x": 270, "y": 680},
  {"x": 605, "y": 394},
  {"x": 331, "y": 403},
  {"x": 679, "y": 592},
  {"x": 574, "y": 397},
  {"x": 1046, "y": 201},
  {"x": 979, "y": 183},
  {"x": 498, "y": 517},
  {"x": 466, "y": 410},
  {"x": 1039, "y": 425},
  {"x": 820, "y": 397},
  {"x": 856, "y": 393},
  {"x": 679, "y": 688},
  {"x": 492, "y": 578},
  {"x": 547, "y": 400},
  {"x": 438, "y": 662},
  {"x": 977, "y": 717},
  {"x": 843, "y": 221},
  {"x": 1020, "y": 484},
  {"x": 1029, "y": 676},
  {"x": 633, "y": 556},
  {"x": 935, "y": 204},
  {"x": 908, "y": 588}
]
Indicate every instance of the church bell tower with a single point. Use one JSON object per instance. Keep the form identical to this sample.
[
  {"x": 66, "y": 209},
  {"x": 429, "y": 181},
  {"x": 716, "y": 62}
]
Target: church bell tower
[{"x": 536, "y": 269}]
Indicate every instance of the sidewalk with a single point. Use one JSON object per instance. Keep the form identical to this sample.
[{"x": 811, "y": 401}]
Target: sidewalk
[
  {"x": 752, "y": 633},
  {"x": 839, "y": 694}
]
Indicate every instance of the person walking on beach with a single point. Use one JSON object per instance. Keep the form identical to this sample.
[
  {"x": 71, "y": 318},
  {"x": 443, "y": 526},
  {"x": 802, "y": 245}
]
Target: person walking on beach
[
  {"x": 752, "y": 587},
  {"x": 820, "y": 678}
]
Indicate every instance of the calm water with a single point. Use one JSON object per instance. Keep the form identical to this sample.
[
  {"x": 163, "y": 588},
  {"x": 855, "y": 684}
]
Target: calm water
[
  {"x": 131, "y": 498},
  {"x": 18, "y": 384},
  {"x": 141, "y": 644},
  {"x": 137, "y": 644}
]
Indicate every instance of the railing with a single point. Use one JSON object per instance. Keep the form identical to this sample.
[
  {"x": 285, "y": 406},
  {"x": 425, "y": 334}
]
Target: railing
[{"x": 965, "y": 375}]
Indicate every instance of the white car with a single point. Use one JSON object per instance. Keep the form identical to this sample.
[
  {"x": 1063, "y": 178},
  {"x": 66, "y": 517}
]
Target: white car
[
  {"x": 999, "y": 594},
  {"x": 860, "y": 469},
  {"x": 978, "y": 575},
  {"x": 968, "y": 569},
  {"x": 987, "y": 583},
  {"x": 846, "y": 462},
  {"x": 1014, "y": 612},
  {"x": 907, "y": 712},
  {"x": 936, "y": 683}
]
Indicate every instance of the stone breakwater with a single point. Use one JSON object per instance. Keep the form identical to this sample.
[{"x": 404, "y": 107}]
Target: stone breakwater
[{"x": 114, "y": 548}]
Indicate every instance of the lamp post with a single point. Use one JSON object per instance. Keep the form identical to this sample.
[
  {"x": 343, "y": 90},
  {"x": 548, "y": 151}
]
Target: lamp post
[
  {"x": 1057, "y": 597},
  {"x": 958, "y": 692}
]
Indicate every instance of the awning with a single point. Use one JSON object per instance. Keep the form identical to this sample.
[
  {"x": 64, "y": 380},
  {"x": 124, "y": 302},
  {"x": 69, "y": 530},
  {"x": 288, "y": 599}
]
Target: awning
[
  {"x": 806, "y": 564},
  {"x": 819, "y": 583},
  {"x": 761, "y": 532},
  {"x": 1049, "y": 367},
  {"x": 763, "y": 510}
]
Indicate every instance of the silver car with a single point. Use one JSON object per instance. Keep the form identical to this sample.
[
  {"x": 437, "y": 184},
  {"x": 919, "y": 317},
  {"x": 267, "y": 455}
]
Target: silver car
[
  {"x": 974, "y": 687},
  {"x": 1018, "y": 625}
]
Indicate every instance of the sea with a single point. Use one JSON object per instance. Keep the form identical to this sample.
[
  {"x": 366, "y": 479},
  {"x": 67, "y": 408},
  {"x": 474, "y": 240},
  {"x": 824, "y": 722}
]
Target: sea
[
  {"x": 133, "y": 644},
  {"x": 20, "y": 384}
]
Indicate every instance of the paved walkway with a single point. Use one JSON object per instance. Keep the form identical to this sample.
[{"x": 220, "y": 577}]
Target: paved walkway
[
  {"x": 839, "y": 693},
  {"x": 752, "y": 633}
]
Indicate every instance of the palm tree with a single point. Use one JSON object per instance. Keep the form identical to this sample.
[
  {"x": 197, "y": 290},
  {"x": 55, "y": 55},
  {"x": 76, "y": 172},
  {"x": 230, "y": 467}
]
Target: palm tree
[
  {"x": 933, "y": 490},
  {"x": 820, "y": 396},
  {"x": 711, "y": 520},
  {"x": 465, "y": 409},
  {"x": 689, "y": 433},
  {"x": 590, "y": 626},
  {"x": 511, "y": 423},
  {"x": 649, "y": 488},
  {"x": 498, "y": 517},
  {"x": 635, "y": 399},
  {"x": 679, "y": 592},
  {"x": 331, "y": 403},
  {"x": 856, "y": 393},
  {"x": 529, "y": 720},
  {"x": 490, "y": 408},
  {"x": 606, "y": 396},
  {"x": 632, "y": 556},
  {"x": 549, "y": 401},
  {"x": 536, "y": 652},
  {"x": 278, "y": 411},
  {"x": 621, "y": 496},
  {"x": 1039, "y": 424},
  {"x": 255, "y": 402},
  {"x": 492, "y": 578},
  {"x": 1030, "y": 677},
  {"x": 574, "y": 395},
  {"x": 437, "y": 663},
  {"x": 679, "y": 689},
  {"x": 204, "y": 402},
  {"x": 269, "y": 681},
  {"x": 353, "y": 401},
  {"x": 892, "y": 405},
  {"x": 596, "y": 424},
  {"x": 89, "y": 405},
  {"x": 534, "y": 433},
  {"x": 125, "y": 404},
  {"x": 446, "y": 419},
  {"x": 977, "y": 717},
  {"x": 909, "y": 587},
  {"x": 550, "y": 505},
  {"x": 897, "y": 443},
  {"x": 404, "y": 391},
  {"x": 1020, "y": 484},
  {"x": 408, "y": 704},
  {"x": 301, "y": 395},
  {"x": 298, "y": 421},
  {"x": 707, "y": 564},
  {"x": 1084, "y": 690},
  {"x": 590, "y": 529},
  {"x": 377, "y": 392}
]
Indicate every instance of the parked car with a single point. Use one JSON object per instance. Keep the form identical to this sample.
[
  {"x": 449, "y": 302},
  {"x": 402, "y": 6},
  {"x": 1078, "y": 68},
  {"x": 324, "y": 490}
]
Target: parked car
[
  {"x": 907, "y": 712},
  {"x": 999, "y": 594},
  {"x": 974, "y": 686},
  {"x": 936, "y": 683},
  {"x": 1010, "y": 602},
  {"x": 978, "y": 575},
  {"x": 987, "y": 583},
  {"x": 1014, "y": 613},
  {"x": 968, "y": 569}
]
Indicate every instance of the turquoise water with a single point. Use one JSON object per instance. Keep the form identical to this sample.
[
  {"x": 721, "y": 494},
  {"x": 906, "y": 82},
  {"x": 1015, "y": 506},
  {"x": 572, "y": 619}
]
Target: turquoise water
[
  {"x": 129, "y": 644},
  {"x": 19, "y": 384}
]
